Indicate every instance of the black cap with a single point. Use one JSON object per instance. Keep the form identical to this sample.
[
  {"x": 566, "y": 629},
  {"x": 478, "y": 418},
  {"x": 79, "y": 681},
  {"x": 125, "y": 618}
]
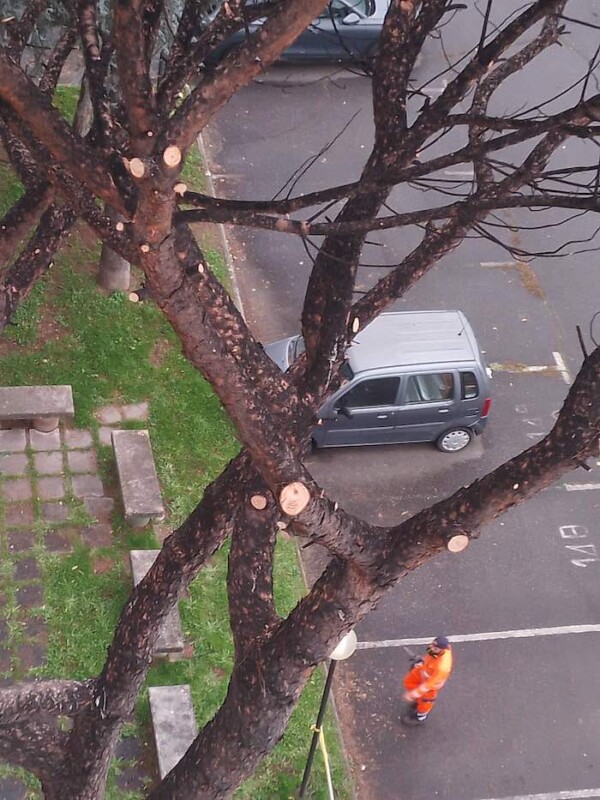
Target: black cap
[{"x": 441, "y": 642}]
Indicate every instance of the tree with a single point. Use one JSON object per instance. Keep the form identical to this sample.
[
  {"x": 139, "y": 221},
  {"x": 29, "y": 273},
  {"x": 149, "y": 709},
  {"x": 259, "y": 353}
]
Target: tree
[{"x": 130, "y": 162}]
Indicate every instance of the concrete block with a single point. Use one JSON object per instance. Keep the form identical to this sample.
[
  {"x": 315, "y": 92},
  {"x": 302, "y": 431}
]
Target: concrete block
[
  {"x": 171, "y": 637},
  {"x": 174, "y": 724},
  {"x": 38, "y": 403},
  {"x": 140, "y": 489}
]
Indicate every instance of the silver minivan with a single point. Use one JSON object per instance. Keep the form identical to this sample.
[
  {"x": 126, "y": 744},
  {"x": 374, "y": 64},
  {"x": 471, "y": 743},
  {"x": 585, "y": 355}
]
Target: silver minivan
[{"x": 411, "y": 377}]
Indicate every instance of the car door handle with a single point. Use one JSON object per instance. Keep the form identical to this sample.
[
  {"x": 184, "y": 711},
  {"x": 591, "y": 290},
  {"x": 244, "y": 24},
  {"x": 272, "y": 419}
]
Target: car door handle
[
  {"x": 382, "y": 416},
  {"x": 443, "y": 410}
]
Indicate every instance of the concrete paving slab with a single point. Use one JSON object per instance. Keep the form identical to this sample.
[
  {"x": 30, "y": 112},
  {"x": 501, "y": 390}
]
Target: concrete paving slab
[
  {"x": 55, "y": 512},
  {"x": 58, "y": 542},
  {"x": 19, "y": 540},
  {"x": 101, "y": 508},
  {"x": 48, "y": 463},
  {"x": 31, "y": 655},
  {"x": 87, "y": 486},
  {"x": 16, "y": 489},
  {"x": 13, "y": 464},
  {"x": 44, "y": 441},
  {"x": 97, "y": 535},
  {"x": 109, "y": 415},
  {"x": 13, "y": 440},
  {"x": 105, "y": 436},
  {"x": 135, "y": 412},
  {"x": 26, "y": 569},
  {"x": 17, "y": 514},
  {"x": 82, "y": 461},
  {"x": 30, "y": 596},
  {"x": 51, "y": 488},
  {"x": 77, "y": 439}
]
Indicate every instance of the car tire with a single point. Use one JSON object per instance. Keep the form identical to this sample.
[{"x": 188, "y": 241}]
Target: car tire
[{"x": 454, "y": 440}]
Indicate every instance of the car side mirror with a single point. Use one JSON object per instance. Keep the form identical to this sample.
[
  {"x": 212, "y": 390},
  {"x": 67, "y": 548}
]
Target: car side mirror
[
  {"x": 344, "y": 411},
  {"x": 350, "y": 19}
]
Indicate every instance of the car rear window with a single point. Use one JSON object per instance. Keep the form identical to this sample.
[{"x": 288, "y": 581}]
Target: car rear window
[
  {"x": 469, "y": 388},
  {"x": 433, "y": 388}
]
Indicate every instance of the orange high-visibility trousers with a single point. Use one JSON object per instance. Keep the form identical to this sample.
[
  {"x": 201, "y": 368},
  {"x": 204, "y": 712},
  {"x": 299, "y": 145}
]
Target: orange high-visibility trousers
[{"x": 425, "y": 703}]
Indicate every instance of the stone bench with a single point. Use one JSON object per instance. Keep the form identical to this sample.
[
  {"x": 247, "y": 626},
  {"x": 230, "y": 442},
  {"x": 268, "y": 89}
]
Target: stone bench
[
  {"x": 171, "y": 639},
  {"x": 173, "y": 722},
  {"x": 45, "y": 406},
  {"x": 140, "y": 489}
]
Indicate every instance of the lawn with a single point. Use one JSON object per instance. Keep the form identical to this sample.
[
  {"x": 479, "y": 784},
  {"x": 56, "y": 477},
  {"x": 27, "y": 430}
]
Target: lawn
[{"x": 113, "y": 351}]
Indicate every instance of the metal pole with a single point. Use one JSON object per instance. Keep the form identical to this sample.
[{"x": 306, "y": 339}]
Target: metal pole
[{"x": 315, "y": 738}]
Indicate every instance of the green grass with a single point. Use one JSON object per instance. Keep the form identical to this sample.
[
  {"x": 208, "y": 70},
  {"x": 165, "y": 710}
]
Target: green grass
[{"x": 111, "y": 350}]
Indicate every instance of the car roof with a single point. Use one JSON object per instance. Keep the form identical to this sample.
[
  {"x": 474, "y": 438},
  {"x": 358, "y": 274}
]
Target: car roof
[{"x": 407, "y": 338}]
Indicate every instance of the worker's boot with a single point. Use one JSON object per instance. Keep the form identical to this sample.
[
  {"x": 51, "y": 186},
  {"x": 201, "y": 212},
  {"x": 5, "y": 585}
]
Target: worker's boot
[{"x": 412, "y": 718}]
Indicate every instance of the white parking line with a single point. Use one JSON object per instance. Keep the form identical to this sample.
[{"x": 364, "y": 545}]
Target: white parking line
[
  {"x": 562, "y": 368},
  {"x": 581, "y": 487},
  {"x": 459, "y": 173},
  {"x": 499, "y": 263},
  {"x": 527, "y": 633},
  {"x": 570, "y": 794}
]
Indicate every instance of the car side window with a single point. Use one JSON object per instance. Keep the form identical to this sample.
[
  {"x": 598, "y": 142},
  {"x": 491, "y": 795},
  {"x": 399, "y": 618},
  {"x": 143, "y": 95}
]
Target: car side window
[
  {"x": 369, "y": 393},
  {"x": 433, "y": 388},
  {"x": 339, "y": 8},
  {"x": 469, "y": 387}
]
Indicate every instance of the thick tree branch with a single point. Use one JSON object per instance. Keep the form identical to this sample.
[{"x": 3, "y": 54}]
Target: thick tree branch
[
  {"x": 36, "y": 258},
  {"x": 47, "y": 125},
  {"x": 26, "y": 700},
  {"x": 134, "y": 71},
  {"x": 19, "y": 220}
]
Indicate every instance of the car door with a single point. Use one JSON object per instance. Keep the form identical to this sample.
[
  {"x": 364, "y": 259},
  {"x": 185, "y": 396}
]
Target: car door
[
  {"x": 427, "y": 405},
  {"x": 361, "y": 414},
  {"x": 329, "y": 38}
]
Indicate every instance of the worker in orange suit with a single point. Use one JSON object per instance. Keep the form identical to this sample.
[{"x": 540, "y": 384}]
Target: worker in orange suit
[{"x": 425, "y": 679}]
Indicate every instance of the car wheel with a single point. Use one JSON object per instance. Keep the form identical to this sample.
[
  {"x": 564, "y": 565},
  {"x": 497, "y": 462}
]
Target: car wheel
[{"x": 454, "y": 440}]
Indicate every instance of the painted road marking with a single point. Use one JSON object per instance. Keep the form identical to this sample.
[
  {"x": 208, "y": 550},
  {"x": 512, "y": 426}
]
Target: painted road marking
[
  {"x": 501, "y": 264},
  {"x": 572, "y": 794},
  {"x": 459, "y": 173},
  {"x": 581, "y": 487},
  {"x": 431, "y": 91},
  {"x": 562, "y": 367},
  {"x": 519, "y": 368},
  {"x": 527, "y": 633}
]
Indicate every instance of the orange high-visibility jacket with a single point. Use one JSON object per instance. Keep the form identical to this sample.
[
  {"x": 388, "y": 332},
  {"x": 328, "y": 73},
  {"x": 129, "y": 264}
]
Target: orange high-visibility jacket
[{"x": 429, "y": 676}]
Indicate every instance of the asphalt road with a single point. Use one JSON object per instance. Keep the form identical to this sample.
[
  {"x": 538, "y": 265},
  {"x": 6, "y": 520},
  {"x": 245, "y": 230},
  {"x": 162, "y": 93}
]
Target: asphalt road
[{"x": 520, "y": 717}]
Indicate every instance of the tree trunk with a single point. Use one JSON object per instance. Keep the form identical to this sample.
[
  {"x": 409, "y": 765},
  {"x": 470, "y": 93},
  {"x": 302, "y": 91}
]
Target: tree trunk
[{"x": 113, "y": 270}]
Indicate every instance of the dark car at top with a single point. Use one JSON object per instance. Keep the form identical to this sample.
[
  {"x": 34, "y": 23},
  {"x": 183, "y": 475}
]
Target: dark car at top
[{"x": 346, "y": 31}]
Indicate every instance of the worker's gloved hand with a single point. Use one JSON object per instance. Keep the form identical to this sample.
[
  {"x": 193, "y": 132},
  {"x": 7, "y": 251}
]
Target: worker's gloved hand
[{"x": 415, "y": 661}]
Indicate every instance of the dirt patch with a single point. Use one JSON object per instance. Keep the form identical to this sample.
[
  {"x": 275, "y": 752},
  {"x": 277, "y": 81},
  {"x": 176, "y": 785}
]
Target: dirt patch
[
  {"x": 529, "y": 280},
  {"x": 102, "y": 564},
  {"x": 159, "y": 352}
]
